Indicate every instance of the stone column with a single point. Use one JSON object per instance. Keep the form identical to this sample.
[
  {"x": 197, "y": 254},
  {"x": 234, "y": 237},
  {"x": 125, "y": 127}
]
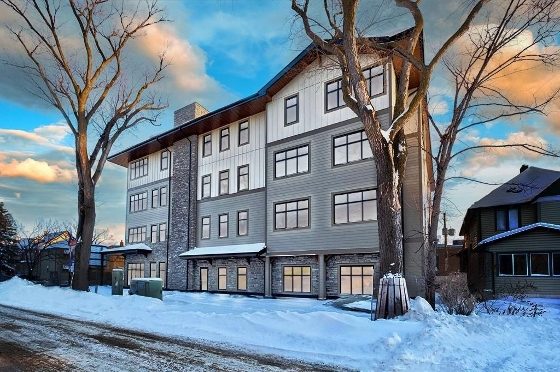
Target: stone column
[
  {"x": 322, "y": 278},
  {"x": 267, "y": 277}
]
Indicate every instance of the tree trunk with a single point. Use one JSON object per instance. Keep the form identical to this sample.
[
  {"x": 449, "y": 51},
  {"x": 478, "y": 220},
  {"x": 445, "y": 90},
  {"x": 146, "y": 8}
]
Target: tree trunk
[{"x": 86, "y": 225}]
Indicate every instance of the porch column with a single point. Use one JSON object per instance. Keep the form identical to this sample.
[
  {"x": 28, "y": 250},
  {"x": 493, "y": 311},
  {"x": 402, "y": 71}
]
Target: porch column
[
  {"x": 267, "y": 278},
  {"x": 322, "y": 278}
]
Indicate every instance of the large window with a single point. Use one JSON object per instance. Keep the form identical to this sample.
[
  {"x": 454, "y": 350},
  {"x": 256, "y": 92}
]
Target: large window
[
  {"x": 556, "y": 264},
  {"x": 153, "y": 233},
  {"x": 355, "y": 206},
  {"x": 203, "y": 278},
  {"x": 134, "y": 270},
  {"x": 224, "y": 182},
  {"x": 164, "y": 160},
  {"x": 137, "y": 234},
  {"x": 207, "y": 145},
  {"x": 139, "y": 168},
  {"x": 241, "y": 278},
  {"x": 375, "y": 80},
  {"x": 356, "y": 280},
  {"x": 243, "y": 177},
  {"x": 205, "y": 231},
  {"x": 155, "y": 198},
  {"x": 539, "y": 264},
  {"x": 243, "y": 133},
  {"x": 351, "y": 147},
  {"x": 139, "y": 202},
  {"x": 291, "y": 215},
  {"x": 512, "y": 264},
  {"x": 291, "y": 161},
  {"x": 222, "y": 278},
  {"x": 206, "y": 186},
  {"x": 333, "y": 95},
  {"x": 242, "y": 223},
  {"x": 297, "y": 279},
  {"x": 507, "y": 219},
  {"x": 161, "y": 273},
  {"x": 223, "y": 230},
  {"x": 224, "y": 139},
  {"x": 291, "y": 110}
]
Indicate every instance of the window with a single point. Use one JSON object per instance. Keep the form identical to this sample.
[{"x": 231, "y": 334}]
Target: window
[
  {"x": 139, "y": 202},
  {"x": 243, "y": 178},
  {"x": 153, "y": 271},
  {"x": 135, "y": 270},
  {"x": 291, "y": 161},
  {"x": 203, "y": 278},
  {"x": 507, "y": 219},
  {"x": 139, "y": 168},
  {"x": 224, "y": 182},
  {"x": 539, "y": 264},
  {"x": 291, "y": 215},
  {"x": 153, "y": 233},
  {"x": 297, "y": 279},
  {"x": 162, "y": 232},
  {"x": 205, "y": 233},
  {"x": 206, "y": 186},
  {"x": 207, "y": 145},
  {"x": 163, "y": 196},
  {"x": 137, "y": 234},
  {"x": 155, "y": 198},
  {"x": 512, "y": 264},
  {"x": 355, "y": 206},
  {"x": 333, "y": 95},
  {"x": 351, "y": 147},
  {"x": 224, "y": 139},
  {"x": 375, "y": 80},
  {"x": 222, "y": 278},
  {"x": 356, "y": 280},
  {"x": 243, "y": 133},
  {"x": 223, "y": 218},
  {"x": 164, "y": 160},
  {"x": 241, "y": 278},
  {"x": 556, "y": 264},
  {"x": 162, "y": 269},
  {"x": 242, "y": 223},
  {"x": 291, "y": 110}
]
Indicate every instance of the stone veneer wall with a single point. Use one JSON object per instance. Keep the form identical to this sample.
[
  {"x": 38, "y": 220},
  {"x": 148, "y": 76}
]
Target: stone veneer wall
[
  {"x": 255, "y": 274},
  {"x": 183, "y": 209},
  {"x": 188, "y": 113},
  {"x": 335, "y": 261},
  {"x": 277, "y": 269}
]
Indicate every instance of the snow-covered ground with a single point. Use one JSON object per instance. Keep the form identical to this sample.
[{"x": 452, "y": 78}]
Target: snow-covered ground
[{"x": 316, "y": 331}]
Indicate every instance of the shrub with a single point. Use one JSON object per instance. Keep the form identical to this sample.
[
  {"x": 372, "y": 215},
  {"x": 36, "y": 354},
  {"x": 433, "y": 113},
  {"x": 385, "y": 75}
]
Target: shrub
[
  {"x": 455, "y": 296},
  {"x": 515, "y": 294}
]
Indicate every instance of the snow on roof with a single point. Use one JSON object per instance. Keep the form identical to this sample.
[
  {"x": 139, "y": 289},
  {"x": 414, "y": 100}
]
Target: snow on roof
[
  {"x": 126, "y": 248},
  {"x": 518, "y": 231},
  {"x": 224, "y": 250},
  {"x": 548, "y": 198}
]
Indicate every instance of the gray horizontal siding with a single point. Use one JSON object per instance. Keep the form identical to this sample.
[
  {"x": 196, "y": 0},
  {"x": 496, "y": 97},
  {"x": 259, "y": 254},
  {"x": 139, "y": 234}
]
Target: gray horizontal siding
[
  {"x": 545, "y": 286},
  {"x": 150, "y": 215},
  {"x": 550, "y": 212},
  {"x": 254, "y": 202},
  {"x": 319, "y": 185}
]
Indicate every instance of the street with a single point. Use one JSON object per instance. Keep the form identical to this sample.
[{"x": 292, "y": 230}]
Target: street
[{"x": 32, "y": 341}]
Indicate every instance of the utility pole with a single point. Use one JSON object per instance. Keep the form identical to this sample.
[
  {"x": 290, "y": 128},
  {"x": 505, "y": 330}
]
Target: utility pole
[{"x": 445, "y": 242}]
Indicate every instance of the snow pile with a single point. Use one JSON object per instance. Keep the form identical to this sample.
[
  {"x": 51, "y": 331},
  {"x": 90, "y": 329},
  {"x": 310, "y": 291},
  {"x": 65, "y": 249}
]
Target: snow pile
[{"x": 421, "y": 340}]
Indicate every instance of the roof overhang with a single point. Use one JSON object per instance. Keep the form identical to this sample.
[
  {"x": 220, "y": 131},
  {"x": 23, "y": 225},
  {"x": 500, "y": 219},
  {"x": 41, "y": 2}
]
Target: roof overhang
[
  {"x": 226, "y": 251},
  {"x": 518, "y": 231},
  {"x": 139, "y": 248}
]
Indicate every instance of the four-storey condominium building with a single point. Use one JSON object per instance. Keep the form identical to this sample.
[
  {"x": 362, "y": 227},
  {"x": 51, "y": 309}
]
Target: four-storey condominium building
[{"x": 274, "y": 194}]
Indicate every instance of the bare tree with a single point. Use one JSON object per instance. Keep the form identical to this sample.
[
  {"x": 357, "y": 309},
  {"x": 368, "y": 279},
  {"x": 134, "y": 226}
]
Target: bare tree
[
  {"x": 345, "y": 42},
  {"x": 75, "y": 53},
  {"x": 514, "y": 38}
]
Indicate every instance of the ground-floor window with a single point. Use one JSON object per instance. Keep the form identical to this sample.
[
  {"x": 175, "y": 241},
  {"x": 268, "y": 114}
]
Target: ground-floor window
[
  {"x": 153, "y": 269},
  {"x": 222, "y": 278},
  {"x": 241, "y": 278},
  {"x": 556, "y": 264},
  {"x": 203, "y": 278},
  {"x": 539, "y": 264},
  {"x": 161, "y": 273},
  {"x": 135, "y": 270},
  {"x": 356, "y": 280},
  {"x": 297, "y": 279},
  {"x": 514, "y": 264}
]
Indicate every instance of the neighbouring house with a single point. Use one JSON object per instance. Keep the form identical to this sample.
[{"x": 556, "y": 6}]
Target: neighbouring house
[
  {"x": 274, "y": 194},
  {"x": 448, "y": 257},
  {"x": 513, "y": 234}
]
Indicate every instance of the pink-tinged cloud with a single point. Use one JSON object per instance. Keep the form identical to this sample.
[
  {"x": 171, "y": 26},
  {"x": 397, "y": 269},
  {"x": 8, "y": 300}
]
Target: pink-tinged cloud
[{"x": 38, "y": 171}]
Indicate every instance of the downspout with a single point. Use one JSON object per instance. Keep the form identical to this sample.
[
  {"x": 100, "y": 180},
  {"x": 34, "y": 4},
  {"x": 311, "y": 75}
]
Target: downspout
[
  {"x": 168, "y": 215},
  {"x": 189, "y": 213}
]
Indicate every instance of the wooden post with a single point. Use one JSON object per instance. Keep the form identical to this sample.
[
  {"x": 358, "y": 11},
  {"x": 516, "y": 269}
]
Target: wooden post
[{"x": 392, "y": 298}]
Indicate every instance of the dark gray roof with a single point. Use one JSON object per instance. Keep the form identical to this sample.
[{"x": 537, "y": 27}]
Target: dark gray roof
[{"x": 522, "y": 188}]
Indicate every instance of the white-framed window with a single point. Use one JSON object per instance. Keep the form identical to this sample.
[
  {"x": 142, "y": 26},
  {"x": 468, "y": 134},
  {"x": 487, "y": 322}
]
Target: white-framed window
[
  {"x": 512, "y": 264},
  {"x": 205, "y": 229},
  {"x": 291, "y": 214},
  {"x": 223, "y": 225},
  {"x": 224, "y": 139},
  {"x": 297, "y": 279},
  {"x": 207, "y": 145},
  {"x": 243, "y": 133},
  {"x": 539, "y": 264},
  {"x": 224, "y": 182},
  {"x": 164, "y": 160},
  {"x": 153, "y": 233},
  {"x": 243, "y": 177},
  {"x": 138, "y": 202},
  {"x": 222, "y": 278},
  {"x": 139, "y": 168},
  {"x": 206, "y": 186},
  {"x": 351, "y": 147},
  {"x": 355, "y": 206},
  {"x": 242, "y": 223},
  {"x": 333, "y": 95},
  {"x": 241, "y": 278},
  {"x": 137, "y": 234},
  {"x": 507, "y": 218},
  {"x": 292, "y": 161},
  {"x": 291, "y": 110},
  {"x": 356, "y": 280},
  {"x": 556, "y": 264},
  {"x": 375, "y": 80}
]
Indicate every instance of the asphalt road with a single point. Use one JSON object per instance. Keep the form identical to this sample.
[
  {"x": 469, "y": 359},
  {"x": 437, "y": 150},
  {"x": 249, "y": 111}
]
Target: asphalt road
[{"x": 32, "y": 341}]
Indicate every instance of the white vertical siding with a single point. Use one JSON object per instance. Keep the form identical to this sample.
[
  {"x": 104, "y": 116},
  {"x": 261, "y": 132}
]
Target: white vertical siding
[
  {"x": 154, "y": 170},
  {"x": 252, "y": 153}
]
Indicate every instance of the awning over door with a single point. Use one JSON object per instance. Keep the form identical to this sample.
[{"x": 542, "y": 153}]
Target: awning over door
[{"x": 226, "y": 251}]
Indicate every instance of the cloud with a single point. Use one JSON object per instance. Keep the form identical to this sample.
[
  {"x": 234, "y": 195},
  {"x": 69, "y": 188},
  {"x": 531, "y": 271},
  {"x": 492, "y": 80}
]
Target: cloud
[
  {"x": 39, "y": 171},
  {"x": 48, "y": 136}
]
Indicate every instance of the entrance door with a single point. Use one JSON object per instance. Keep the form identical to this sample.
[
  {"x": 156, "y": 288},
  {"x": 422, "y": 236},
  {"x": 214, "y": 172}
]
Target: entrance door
[{"x": 203, "y": 278}]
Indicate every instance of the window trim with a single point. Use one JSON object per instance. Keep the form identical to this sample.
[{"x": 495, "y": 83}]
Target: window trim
[
  {"x": 246, "y": 219},
  {"x": 204, "y": 142},
  {"x": 202, "y": 228},
  {"x": 552, "y": 263},
  {"x": 162, "y": 198},
  {"x": 202, "y": 183},
  {"x": 222, "y": 275},
  {"x": 220, "y": 225},
  {"x": 506, "y": 210},
  {"x": 239, "y": 177},
  {"x": 139, "y": 230},
  {"x": 382, "y": 74},
  {"x": 347, "y": 134},
  {"x": 225, "y": 171},
  {"x": 222, "y": 136},
  {"x": 513, "y": 264},
  {"x": 240, "y": 275},
  {"x": 164, "y": 224},
  {"x": 154, "y": 233},
  {"x": 300, "y": 276},
  {"x": 206, "y": 276},
  {"x": 340, "y": 97},
  {"x": 547, "y": 264},
  {"x": 308, "y": 199},
  {"x": 308, "y": 145},
  {"x": 333, "y": 196},
  {"x": 352, "y": 275},
  {"x": 138, "y": 202},
  {"x": 166, "y": 157},
  {"x": 162, "y": 273},
  {"x": 136, "y": 166},
  {"x": 157, "y": 204},
  {"x": 286, "y": 107},
  {"x": 239, "y": 143}
]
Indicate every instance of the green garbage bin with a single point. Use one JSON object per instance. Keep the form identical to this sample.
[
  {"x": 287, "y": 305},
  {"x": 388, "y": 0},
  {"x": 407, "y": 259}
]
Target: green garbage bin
[{"x": 147, "y": 287}]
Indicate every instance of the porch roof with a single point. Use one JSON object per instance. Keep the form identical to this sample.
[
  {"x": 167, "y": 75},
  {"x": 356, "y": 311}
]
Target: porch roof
[
  {"x": 139, "y": 248},
  {"x": 517, "y": 231},
  {"x": 226, "y": 251}
]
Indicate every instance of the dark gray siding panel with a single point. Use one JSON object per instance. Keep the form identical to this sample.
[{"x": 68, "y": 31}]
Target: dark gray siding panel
[
  {"x": 319, "y": 185},
  {"x": 251, "y": 201},
  {"x": 550, "y": 212}
]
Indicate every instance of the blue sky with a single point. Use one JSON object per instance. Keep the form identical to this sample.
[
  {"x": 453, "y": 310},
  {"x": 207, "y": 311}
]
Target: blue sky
[{"x": 220, "y": 51}]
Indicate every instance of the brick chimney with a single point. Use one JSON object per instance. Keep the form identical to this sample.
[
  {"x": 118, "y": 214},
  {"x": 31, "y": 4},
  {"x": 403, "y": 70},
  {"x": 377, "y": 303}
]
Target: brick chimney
[
  {"x": 188, "y": 113},
  {"x": 523, "y": 168}
]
